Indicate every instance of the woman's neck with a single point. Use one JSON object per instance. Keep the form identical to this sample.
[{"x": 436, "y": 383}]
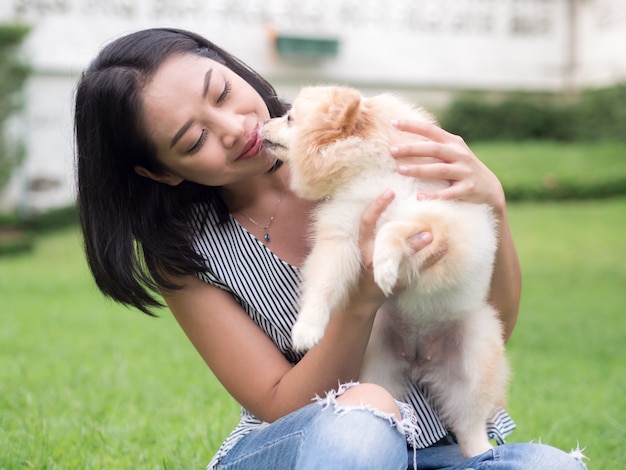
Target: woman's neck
[
  {"x": 254, "y": 194},
  {"x": 267, "y": 209}
]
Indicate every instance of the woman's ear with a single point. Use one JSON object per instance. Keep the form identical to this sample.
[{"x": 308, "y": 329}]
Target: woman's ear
[{"x": 165, "y": 178}]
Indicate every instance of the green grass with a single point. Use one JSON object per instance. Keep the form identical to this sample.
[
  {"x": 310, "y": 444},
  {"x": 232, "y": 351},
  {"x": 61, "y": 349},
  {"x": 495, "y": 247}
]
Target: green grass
[
  {"x": 568, "y": 351},
  {"x": 86, "y": 384},
  {"x": 551, "y": 170}
]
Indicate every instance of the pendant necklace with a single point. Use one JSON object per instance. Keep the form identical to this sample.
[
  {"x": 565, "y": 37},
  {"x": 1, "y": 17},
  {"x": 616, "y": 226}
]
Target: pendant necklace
[{"x": 266, "y": 227}]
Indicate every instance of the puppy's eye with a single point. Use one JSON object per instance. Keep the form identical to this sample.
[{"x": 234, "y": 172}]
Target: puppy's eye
[{"x": 289, "y": 117}]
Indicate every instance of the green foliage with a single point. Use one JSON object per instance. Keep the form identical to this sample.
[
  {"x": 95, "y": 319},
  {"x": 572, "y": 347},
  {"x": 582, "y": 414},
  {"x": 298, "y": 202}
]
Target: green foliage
[
  {"x": 514, "y": 119},
  {"x": 13, "y": 70},
  {"x": 54, "y": 219},
  {"x": 594, "y": 115},
  {"x": 15, "y": 241},
  {"x": 13, "y": 74},
  {"x": 602, "y": 114},
  {"x": 18, "y": 235}
]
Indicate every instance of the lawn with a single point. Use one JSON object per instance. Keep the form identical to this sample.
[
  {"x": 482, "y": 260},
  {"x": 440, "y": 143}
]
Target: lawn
[
  {"x": 540, "y": 170},
  {"x": 87, "y": 384},
  {"x": 569, "y": 348}
]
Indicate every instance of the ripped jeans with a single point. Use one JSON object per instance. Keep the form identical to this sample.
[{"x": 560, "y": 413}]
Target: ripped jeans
[
  {"x": 315, "y": 438},
  {"x": 328, "y": 436}
]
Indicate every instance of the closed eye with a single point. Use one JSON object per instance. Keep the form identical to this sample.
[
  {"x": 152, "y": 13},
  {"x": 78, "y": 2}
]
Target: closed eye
[
  {"x": 199, "y": 143},
  {"x": 225, "y": 92}
]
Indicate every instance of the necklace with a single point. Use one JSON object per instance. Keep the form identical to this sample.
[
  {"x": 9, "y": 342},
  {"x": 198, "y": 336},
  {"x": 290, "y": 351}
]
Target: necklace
[{"x": 266, "y": 227}]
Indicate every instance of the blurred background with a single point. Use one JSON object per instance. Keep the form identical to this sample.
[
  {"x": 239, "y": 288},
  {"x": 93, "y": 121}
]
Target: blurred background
[
  {"x": 428, "y": 50},
  {"x": 536, "y": 87}
]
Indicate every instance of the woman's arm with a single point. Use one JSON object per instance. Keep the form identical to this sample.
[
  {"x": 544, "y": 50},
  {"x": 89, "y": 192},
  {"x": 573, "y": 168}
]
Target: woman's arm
[
  {"x": 470, "y": 180},
  {"x": 251, "y": 367},
  {"x": 248, "y": 363},
  {"x": 506, "y": 280}
]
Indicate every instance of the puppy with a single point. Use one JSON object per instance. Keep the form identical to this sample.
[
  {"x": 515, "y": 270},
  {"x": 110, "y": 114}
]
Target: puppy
[{"x": 439, "y": 329}]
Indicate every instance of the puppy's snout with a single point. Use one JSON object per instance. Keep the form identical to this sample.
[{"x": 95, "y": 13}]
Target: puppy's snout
[{"x": 270, "y": 135}]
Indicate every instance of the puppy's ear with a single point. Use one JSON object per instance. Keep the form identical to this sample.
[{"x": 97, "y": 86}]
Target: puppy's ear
[{"x": 344, "y": 109}]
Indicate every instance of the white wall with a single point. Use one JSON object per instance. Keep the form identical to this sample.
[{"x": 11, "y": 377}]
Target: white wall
[
  {"x": 601, "y": 29},
  {"x": 423, "y": 49}
]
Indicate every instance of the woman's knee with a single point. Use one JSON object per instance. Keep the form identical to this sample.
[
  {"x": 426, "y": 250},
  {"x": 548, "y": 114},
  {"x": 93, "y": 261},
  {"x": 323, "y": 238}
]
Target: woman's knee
[
  {"x": 357, "y": 430},
  {"x": 371, "y": 396}
]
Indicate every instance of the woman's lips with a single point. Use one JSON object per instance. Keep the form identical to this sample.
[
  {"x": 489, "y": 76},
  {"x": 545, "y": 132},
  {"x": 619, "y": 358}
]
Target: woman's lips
[{"x": 253, "y": 146}]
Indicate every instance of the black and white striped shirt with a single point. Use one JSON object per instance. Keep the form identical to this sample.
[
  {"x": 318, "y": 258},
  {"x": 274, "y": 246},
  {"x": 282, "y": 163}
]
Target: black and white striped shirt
[{"x": 267, "y": 289}]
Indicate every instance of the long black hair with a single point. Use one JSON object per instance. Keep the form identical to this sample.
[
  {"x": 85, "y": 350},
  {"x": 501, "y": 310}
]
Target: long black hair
[{"x": 135, "y": 229}]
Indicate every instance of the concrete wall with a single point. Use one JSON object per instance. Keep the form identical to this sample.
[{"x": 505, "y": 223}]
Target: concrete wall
[{"x": 423, "y": 49}]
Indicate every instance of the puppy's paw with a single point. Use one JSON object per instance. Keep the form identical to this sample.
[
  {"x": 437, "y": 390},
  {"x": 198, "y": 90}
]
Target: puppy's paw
[
  {"x": 385, "y": 272},
  {"x": 473, "y": 447},
  {"x": 306, "y": 335}
]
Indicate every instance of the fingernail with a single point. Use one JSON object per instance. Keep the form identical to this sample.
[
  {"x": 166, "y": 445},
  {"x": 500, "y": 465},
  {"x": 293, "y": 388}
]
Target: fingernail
[
  {"x": 423, "y": 237},
  {"x": 389, "y": 194},
  {"x": 394, "y": 122},
  {"x": 393, "y": 149},
  {"x": 403, "y": 169},
  {"x": 421, "y": 197}
]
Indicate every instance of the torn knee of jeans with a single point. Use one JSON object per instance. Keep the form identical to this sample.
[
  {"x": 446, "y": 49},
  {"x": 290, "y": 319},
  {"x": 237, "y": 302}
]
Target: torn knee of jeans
[{"x": 407, "y": 425}]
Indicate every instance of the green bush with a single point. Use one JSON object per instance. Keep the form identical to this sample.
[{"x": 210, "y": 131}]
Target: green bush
[
  {"x": 54, "y": 219},
  {"x": 13, "y": 74},
  {"x": 18, "y": 234},
  {"x": 602, "y": 114},
  {"x": 514, "y": 119},
  {"x": 14, "y": 241},
  {"x": 592, "y": 116}
]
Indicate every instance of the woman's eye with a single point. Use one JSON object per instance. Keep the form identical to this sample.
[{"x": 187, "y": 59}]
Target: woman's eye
[
  {"x": 198, "y": 145},
  {"x": 225, "y": 92}
]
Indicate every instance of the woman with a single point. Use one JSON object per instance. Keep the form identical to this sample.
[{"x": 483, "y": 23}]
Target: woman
[{"x": 177, "y": 197}]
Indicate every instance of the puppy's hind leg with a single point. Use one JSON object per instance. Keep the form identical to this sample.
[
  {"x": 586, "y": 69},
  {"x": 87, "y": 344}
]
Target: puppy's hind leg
[
  {"x": 394, "y": 260},
  {"x": 471, "y": 383}
]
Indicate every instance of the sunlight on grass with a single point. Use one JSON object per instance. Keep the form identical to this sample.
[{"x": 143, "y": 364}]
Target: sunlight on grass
[
  {"x": 87, "y": 384},
  {"x": 568, "y": 350},
  {"x": 530, "y": 169}
]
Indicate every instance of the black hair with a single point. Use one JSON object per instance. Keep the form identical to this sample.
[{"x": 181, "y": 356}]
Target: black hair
[{"x": 136, "y": 230}]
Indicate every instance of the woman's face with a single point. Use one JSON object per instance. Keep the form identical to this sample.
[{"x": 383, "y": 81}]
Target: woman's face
[{"x": 204, "y": 120}]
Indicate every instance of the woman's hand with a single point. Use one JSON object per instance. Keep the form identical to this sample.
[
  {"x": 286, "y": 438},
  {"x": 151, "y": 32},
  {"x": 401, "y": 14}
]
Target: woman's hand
[
  {"x": 367, "y": 234},
  {"x": 444, "y": 156}
]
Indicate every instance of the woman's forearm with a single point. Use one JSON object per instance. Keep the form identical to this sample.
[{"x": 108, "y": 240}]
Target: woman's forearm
[
  {"x": 336, "y": 359},
  {"x": 506, "y": 281}
]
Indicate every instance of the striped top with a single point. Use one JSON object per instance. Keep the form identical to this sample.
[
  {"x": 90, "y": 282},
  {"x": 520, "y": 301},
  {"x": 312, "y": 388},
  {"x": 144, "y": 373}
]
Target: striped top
[{"x": 267, "y": 289}]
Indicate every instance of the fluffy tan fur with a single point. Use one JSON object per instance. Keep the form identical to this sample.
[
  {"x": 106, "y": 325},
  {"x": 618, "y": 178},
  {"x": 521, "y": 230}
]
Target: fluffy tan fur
[{"x": 439, "y": 330}]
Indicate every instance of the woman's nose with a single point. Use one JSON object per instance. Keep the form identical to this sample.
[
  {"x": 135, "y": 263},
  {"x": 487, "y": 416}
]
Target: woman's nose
[{"x": 233, "y": 127}]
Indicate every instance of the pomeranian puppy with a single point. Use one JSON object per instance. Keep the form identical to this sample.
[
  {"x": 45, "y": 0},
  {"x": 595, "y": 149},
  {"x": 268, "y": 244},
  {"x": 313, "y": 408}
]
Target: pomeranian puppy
[{"x": 437, "y": 328}]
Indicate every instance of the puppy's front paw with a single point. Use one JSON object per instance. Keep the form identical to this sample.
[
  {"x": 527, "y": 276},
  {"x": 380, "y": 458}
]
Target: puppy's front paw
[{"x": 306, "y": 335}]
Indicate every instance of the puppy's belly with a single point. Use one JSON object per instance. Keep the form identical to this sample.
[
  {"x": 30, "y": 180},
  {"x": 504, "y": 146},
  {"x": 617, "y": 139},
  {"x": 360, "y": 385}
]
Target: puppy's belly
[{"x": 422, "y": 342}]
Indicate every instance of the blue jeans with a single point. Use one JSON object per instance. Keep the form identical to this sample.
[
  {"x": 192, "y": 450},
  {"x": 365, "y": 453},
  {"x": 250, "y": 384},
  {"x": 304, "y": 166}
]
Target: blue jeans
[
  {"x": 333, "y": 437},
  {"x": 504, "y": 457}
]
